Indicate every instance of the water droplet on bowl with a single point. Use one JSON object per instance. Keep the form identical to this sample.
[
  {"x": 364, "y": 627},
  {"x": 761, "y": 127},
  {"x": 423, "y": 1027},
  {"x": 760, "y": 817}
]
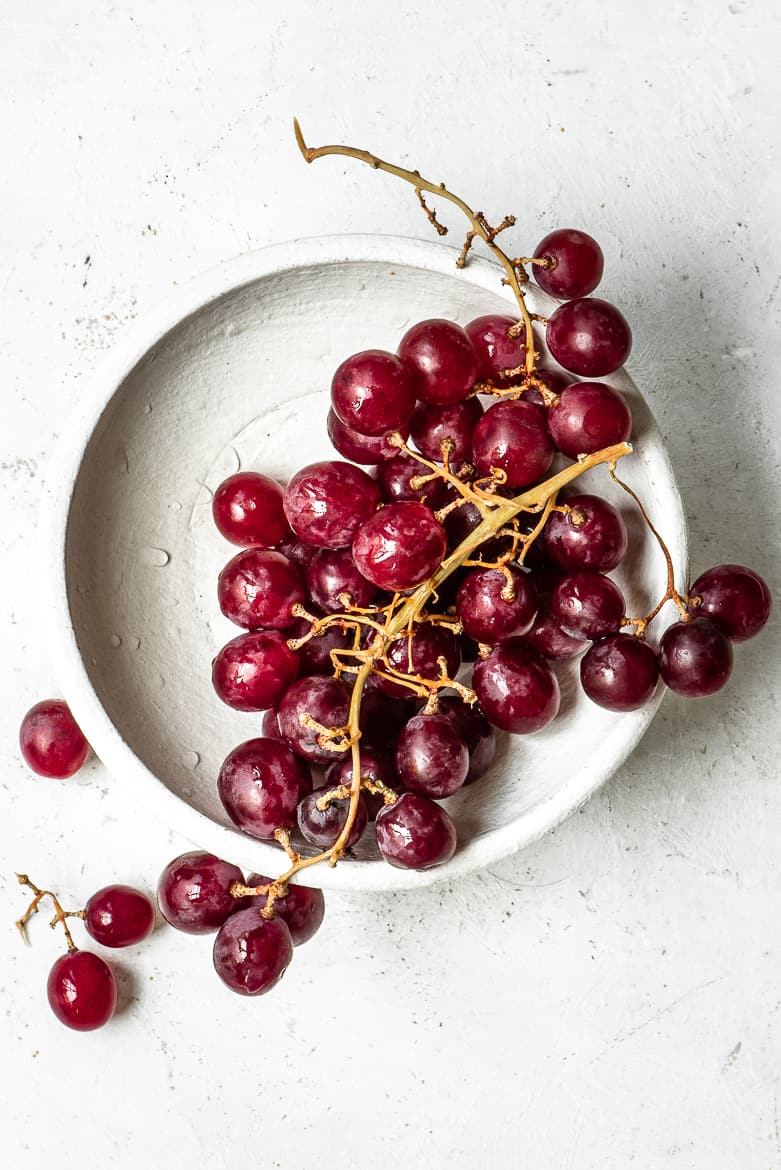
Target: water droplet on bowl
[
  {"x": 134, "y": 643},
  {"x": 116, "y": 641},
  {"x": 148, "y": 408},
  {"x": 191, "y": 760},
  {"x": 187, "y": 792},
  {"x": 154, "y": 558}
]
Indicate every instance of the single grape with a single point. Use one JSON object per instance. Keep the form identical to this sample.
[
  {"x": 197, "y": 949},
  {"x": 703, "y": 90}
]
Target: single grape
[
  {"x": 325, "y": 503},
  {"x": 376, "y": 766},
  {"x": 400, "y": 546},
  {"x": 247, "y": 509},
  {"x": 591, "y": 535},
  {"x": 332, "y": 572},
  {"x": 432, "y": 425},
  {"x": 359, "y": 448},
  {"x": 260, "y": 784},
  {"x": 419, "y": 654},
  {"x": 695, "y": 658},
  {"x": 496, "y": 351},
  {"x": 252, "y": 953},
  {"x": 577, "y": 264},
  {"x": 415, "y": 833},
  {"x": 546, "y": 636},
  {"x": 442, "y": 360},
  {"x": 619, "y": 672},
  {"x": 588, "y": 417},
  {"x": 193, "y": 892},
  {"x": 82, "y": 991},
  {"x": 587, "y": 605},
  {"x": 326, "y": 701},
  {"x": 51, "y": 741},
  {"x": 373, "y": 392},
  {"x": 431, "y": 756},
  {"x": 513, "y": 437},
  {"x": 254, "y": 670},
  {"x": 259, "y": 588},
  {"x": 734, "y": 598},
  {"x": 382, "y": 717},
  {"x": 395, "y": 476},
  {"x": 476, "y": 732},
  {"x": 321, "y": 827},
  {"x": 302, "y": 908},
  {"x": 487, "y": 613},
  {"x": 589, "y": 337},
  {"x": 119, "y": 916},
  {"x": 516, "y": 688}
]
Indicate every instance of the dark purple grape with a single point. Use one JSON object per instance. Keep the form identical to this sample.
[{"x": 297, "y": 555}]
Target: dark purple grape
[
  {"x": 247, "y": 509},
  {"x": 400, "y": 546},
  {"x": 496, "y": 351},
  {"x": 415, "y": 833},
  {"x": 516, "y": 688},
  {"x": 325, "y": 503},
  {"x": 119, "y": 916},
  {"x": 321, "y": 827},
  {"x": 735, "y": 599},
  {"x": 431, "y": 756},
  {"x": 361, "y": 448},
  {"x": 193, "y": 892},
  {"x": 296, "y": 551},
  {"x": 82, "y": 991},
  {"x": 587, "y": 605},
  {"x": 373, "y": 393},
  {"x": 476, "y": 732},
  {"x": 394, "y": 477},
  {"x": 260, "y": 784},
  {"x": 259, "y": 588},
  {"x": 432, "y": 425},
  {"x": 269, "y": 724},
  {"x": 253, "y": 671},
  {"x": 695, "y": 658},
  {"x": 588, "y": 417},
  {"x": 332, "y": 572},
  {"x": 327, "y": 700},
  {"x": 513, "y": 437},
  {"x": 577, "y": 264},
  {"x": 383, "y": 717},
  {"x": 376, "y": 766},
  {"x": 302, "y": 908},
  {"x": 546, "y": 636},
  {"x": 591, "y": 536},
  {"x": 419, "y": 654},
  {"x": 442, "y": 360},
  {"x": 486, "y": 613},
  {"x": 589, "y": 337},
  {"x": 252, "y": 953},
  {"x": 619, "y": 672},
  {"x": 315, "y": 655}
]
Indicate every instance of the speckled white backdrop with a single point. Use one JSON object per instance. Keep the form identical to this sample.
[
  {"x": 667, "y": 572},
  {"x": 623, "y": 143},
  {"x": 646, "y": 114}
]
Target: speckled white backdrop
[{"x": 610, "y": 997}]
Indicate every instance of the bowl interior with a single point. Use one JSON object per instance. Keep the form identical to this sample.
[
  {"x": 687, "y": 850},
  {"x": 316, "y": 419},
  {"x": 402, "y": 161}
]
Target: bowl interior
[{"x": 242, "y": 382}]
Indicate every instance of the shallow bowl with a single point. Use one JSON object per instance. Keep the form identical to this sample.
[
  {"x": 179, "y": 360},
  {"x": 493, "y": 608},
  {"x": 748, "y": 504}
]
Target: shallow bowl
[{"x": 234, "y": 372}]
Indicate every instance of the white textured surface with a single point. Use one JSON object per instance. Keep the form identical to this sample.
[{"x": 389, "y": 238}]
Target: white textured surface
[{"x": 610, "y": 997}]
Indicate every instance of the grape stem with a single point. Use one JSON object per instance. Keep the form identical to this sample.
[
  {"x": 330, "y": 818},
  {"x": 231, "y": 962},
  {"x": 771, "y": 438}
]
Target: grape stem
[{"x": 60, "y": 915}]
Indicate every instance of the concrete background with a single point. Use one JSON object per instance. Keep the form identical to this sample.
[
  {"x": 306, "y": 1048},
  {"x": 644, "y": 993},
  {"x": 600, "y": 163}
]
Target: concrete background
[{"x": 610, "y": 997}]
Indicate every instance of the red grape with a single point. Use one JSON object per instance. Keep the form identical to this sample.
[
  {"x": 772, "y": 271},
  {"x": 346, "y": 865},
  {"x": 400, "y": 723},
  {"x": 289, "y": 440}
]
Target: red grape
[
  {"x": 587, "y": 605},
  {"x": 247, "y": 509},
  {"x": 254, "y": 670},
  {"x": 361, "y": 448},
  {"x": 485, "y": 614},
  {"x": 513, "y": 437},
  {"x": 591, "y": 535},
  {"x": 301, "y": 908},
  {"x": 419, "y": 655},
  {"x": 442, "y": 359},
  {"x": 400, "y": 546},
  {"x": 394, "y": 478},
  {"x": 259, "y": 588},
  {"x": 546, "y": 636},
  {"x": 735, "y": 599},
  {"x": 431, "y": 756},
  {"x": 260, "y": 784},
  {"x": 431, "y": 425},
  {"x": 373, "y": 393},
  {"x": 325, "y": 503},
  {"x": 695, "y": 658},
  {"x": 332, "y": 572},
  {"x": 252, "y": 953},
  {"x": 516, "y": 688},
  {"x": 619, "y": 672},
  {"x": 476, "y": 732},
  {"x": 327, "y": 700},
  {"x": 193, "y": 892},
  {"x": 415, "y": 833},
  {"x": 496, "y": 351},
  {"x": 82, "y": 991},
  {"x": 578, "y": 264},
  {"x": 51, "y": 741},
  {"x": 119, "y": 916},
  {"x": 589, "y": 337},
  {"x": 588, "y": 417},
  {"x": 321, "y": 827}
]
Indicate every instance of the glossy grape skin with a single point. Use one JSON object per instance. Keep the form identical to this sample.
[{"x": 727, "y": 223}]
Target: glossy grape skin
[
  {"x": 358, "y": 448},
  {"x": 394, "y": 480},
  {"x": 591, "y": 536},
  {"x": 119, "y": 916},
  {"x": 382, "y": 717},
  {"x": 258, "y": 589},
  {"x": 325, "y": 503},
  {"x": 332, "y": 572},
  {"x": 321, "y": 827},
  {"x": 254, "y": 670},
  {"x": 193, "y": 892},
  {"x": 376, "y": 766},
  {"x": 400, "y": 546},
  {"x": 302, "y": 908},
  {"x": 252, "y": 953},
  {"x": 516, "y": 688},
  {"x": 695, "y": 658},
  {"x": 415, "y": 833},
  {"x": 496, "y": 352},
  {"x": 619, "y": 672},
  {"x": 297, "y": 551},
  {"x": 82, "y": 991},
  {"x": 419, "y": 655},
  {"x": 327, "y": 700},
  {"x": 476, "y": 732},
  {"x": 588, "y": 417},
  {"x": 546, "y": 636},
  {"x": 431, "y": 425},
  {"x": 373, "y": 392},
  {"x": 587, "y": 605},
  {"x": 260, "y": 784},
  {"x": 431, "y": 756},
  {"x": 315, "y": 654},
  {"x": 589, "y": 337},
  {"x": 578, "y": 266},
  {"x": 269, "y": 725},
  {"x": 485, "y": 614},
  {"x": 247, "y": 509},
  {"x": 734, "y": 598},
  {"x": 442, "y": 360},
  {"x": 513, "y": 437},
  {"x": 51, "y": 741}
]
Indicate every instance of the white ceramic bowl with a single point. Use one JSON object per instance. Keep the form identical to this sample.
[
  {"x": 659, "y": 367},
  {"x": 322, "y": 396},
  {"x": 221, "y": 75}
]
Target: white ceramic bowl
[{"x": 234, "y": 372}]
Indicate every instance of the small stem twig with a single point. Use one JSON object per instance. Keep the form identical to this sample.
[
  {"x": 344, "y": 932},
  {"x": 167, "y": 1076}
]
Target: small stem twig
[{"x": 60, "y": 915}]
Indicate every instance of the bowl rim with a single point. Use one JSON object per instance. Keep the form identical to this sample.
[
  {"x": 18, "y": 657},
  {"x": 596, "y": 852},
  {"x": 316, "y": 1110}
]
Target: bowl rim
[{"x": 127, "y": 769}]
